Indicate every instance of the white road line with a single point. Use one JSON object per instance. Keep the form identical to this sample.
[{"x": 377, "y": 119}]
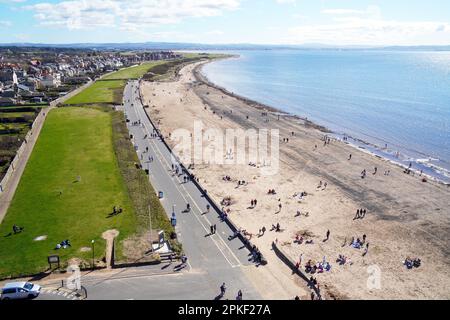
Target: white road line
[
  {"x": 152, "y": 145},
  {"x": 200, "y": 211}
]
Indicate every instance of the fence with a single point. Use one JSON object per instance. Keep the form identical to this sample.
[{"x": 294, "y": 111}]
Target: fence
[{"x": 292, "y": 265}]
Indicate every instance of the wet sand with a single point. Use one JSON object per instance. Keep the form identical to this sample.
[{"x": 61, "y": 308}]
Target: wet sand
[{"x": 405, "y": 216}]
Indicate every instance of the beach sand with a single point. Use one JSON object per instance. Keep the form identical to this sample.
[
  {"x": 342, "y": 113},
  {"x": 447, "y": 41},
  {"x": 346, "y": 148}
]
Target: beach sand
[{"x": 405, "y": 216}]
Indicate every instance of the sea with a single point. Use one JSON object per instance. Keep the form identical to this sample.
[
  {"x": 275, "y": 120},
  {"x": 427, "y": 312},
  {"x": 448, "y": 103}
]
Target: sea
[{"x": 395, "y": 104}]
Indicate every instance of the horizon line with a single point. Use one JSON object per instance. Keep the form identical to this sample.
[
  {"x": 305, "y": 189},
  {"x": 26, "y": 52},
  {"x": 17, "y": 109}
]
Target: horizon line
[{"x": 228, "y": 44}]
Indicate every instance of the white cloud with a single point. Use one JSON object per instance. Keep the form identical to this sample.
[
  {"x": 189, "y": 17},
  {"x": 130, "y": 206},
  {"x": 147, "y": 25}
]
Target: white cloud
[
  {"x": 367, "y": 27},
  {"x": 355, "y": 30},
  {"x": 215, "y": 33},
  {"x": 286, "y": 1},
  {"x": 126, "y": 14},
  {"x": 371, "y": 11},
  {"x": 4, "y": 23}
]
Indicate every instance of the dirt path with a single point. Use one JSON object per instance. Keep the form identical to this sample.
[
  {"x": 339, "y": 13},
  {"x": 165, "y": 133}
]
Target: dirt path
[{"x": 109, "y": 236}]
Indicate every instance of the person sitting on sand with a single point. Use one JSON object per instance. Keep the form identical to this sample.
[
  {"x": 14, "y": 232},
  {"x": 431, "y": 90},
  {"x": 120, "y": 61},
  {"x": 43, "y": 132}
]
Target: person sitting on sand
[
  {"x": 417, "y": 263},
  {"x": 308, "y": 266},
  {"x": 262, "y": 231},
  {"x": 363, "y": 174},
  {"x": 408, "y": 263},
  {"x": 298, "y": 239},
  {"x": 341, "y": 260},
  {"x": 247, "y": 234}
]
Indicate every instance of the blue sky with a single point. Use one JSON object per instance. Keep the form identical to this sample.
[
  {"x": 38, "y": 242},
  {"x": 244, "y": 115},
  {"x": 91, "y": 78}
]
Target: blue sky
[{"x": 337, "y": 22}]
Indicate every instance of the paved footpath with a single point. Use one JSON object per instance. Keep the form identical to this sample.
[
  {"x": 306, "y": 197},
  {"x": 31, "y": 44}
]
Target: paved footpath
[{"x": 212, "y": 259}]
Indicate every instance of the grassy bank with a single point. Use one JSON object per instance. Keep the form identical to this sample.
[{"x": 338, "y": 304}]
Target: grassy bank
[
  {"x": 140, "y": 190},
  {"x": 110, "y": 92},
  {"x": 50, "y": 200},
  {"x": 134, "y": 72}
]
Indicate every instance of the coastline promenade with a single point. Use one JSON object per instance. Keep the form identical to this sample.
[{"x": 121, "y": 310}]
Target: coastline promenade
[{"x": 216, "y": 255}]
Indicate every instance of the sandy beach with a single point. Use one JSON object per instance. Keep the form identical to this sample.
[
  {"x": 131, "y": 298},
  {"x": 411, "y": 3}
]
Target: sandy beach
[{"x": 405, "y": 217}]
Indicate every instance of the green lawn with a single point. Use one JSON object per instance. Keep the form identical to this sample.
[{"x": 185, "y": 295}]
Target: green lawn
[
  {"x": 100, "y": 92},
  {"x": 133, "y": 72},
  {"x": 50, "y": 201}
]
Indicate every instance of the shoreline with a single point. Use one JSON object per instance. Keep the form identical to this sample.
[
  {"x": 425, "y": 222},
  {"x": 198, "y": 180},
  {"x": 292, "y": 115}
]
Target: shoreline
[
  {"x": 405, "y": 216},
  {"x": 429, "y": 172}
]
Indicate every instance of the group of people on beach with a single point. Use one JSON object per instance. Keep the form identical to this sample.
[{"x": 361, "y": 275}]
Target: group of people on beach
[
  {"x": 412, "y": 263},
  {"x": 299, "y": 240},
  {"x": 276, "y": 228},
  {"x": 343, "y": 260},
  {"x": 360, "y": 214},
  {"x": 319, "y": 267},
  {"x": 322, "y": 184}
]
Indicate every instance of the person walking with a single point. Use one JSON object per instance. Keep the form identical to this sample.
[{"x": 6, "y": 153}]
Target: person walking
[
  {"x": 215, "y": 229},
  {"x": 183, "y": 260},
  {"x": 328, "y": 235},
  {"x": 223, "y": 289},
  {"x": 208, "y": 207},
  {"x": 239, "y": 295},
  {"x": 211, "y": 228}
]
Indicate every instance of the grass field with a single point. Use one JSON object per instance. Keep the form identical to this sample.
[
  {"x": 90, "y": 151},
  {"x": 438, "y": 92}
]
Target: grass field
[
  {"x": 100, "y": 92},
  {"x": 51, "y": 202},
  {"x": 133, "y": 72}
]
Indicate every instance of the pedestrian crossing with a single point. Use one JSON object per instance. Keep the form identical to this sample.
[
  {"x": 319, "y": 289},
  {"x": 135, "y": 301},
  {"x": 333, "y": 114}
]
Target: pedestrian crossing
[{"x": 64, "y": 293}]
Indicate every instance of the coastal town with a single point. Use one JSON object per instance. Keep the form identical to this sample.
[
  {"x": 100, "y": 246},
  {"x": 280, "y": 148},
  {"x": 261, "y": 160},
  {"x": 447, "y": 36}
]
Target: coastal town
[
  {"x": 30, "y": 76},
  {"x": 126, "y": 111},
  {"x": 198, "y": 154}
]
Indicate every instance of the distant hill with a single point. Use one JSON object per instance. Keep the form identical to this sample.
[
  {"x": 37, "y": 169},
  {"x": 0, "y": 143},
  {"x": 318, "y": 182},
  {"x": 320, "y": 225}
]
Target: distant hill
[{"x": 199, "y": 46}]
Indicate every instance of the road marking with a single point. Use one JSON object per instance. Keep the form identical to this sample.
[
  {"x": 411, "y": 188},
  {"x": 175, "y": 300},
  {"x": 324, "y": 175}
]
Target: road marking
[
  {"x": 138, "y": 113},
  {"x": 195, "y": 203}
]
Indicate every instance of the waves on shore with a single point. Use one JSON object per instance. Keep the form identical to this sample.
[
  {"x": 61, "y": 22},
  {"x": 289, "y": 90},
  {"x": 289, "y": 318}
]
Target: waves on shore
[{"x": 394, "y": 150}]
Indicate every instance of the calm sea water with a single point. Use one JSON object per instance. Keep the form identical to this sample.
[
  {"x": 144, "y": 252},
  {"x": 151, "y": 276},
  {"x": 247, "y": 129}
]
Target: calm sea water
[{"x": 401, "y": 99}]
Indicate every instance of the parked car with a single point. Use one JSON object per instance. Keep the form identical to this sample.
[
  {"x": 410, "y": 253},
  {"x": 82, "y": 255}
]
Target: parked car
[{"x": 20, "y": 290}]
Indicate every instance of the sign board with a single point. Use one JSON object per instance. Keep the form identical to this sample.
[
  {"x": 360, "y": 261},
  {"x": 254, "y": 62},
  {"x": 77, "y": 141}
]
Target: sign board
[
  {"x": 53, "y": 260},
  {"x": 173, "y": 221}
]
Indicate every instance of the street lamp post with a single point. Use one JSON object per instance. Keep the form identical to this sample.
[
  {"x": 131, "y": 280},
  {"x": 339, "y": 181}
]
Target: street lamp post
[{"x": 93, "y": 253}]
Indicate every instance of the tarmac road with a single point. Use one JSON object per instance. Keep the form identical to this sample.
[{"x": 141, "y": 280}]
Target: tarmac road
[{"x": 212, "y": 259}]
